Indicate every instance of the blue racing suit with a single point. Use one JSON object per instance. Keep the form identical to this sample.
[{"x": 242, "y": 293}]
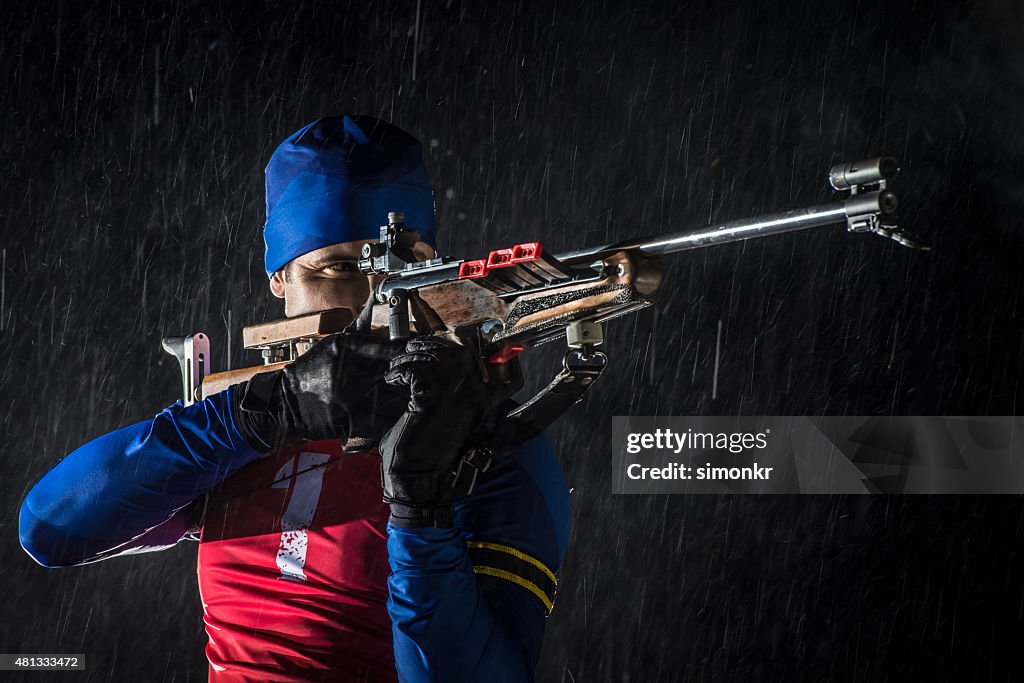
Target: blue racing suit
[{"x": 465, "y": 604}]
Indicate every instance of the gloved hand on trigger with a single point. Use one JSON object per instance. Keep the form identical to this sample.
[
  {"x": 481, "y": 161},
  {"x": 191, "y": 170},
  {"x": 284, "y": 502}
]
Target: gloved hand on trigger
[
  {"x": 447, "y": 397},
  {"x": 334, "y": 390}
]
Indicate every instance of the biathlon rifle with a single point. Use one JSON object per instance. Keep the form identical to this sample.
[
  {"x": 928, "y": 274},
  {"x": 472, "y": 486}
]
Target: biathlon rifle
[{"x": 522, "y": 296}]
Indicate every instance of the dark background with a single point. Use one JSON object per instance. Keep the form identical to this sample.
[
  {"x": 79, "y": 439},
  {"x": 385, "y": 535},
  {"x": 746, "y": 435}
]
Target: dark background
[{"x": 133, "y": 141}]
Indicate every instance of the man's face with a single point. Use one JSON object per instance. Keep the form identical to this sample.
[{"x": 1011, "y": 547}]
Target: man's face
[{"x": 327, "y": 278}]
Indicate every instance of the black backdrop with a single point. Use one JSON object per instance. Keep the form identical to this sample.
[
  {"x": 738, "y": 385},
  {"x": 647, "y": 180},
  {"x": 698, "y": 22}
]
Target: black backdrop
[{"x": 134, "y": 137}]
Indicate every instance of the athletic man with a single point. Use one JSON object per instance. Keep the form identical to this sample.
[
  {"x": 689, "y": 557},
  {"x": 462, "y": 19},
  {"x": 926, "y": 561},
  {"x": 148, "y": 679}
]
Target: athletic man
[{"x": 305, "y": 574}]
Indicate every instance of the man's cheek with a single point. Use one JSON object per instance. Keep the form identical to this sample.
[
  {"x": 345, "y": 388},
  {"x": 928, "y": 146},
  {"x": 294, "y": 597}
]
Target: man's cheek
[
  {"x": 356, "y": 292},
  {"x": 350, "y": 294}
]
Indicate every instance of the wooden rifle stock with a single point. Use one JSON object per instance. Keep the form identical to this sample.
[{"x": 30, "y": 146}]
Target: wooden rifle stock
[
  {"x": 280, "y": 341},
  {"x": 219, "y": 381}
]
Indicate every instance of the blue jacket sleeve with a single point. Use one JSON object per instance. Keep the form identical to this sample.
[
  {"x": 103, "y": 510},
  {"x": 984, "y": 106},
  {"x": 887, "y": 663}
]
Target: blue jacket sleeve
[
  {"x": 458, "y": 610},
  {"x": 129, "y": 490}
]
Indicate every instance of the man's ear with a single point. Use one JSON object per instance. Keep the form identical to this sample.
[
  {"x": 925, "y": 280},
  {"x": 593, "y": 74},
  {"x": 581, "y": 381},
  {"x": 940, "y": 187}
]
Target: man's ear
[{"x": 277, "y": 284}]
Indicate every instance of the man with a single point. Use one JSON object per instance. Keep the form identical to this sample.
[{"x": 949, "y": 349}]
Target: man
[{"x": 295, "y": 542}]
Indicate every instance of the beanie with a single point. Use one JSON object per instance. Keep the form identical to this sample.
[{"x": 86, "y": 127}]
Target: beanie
[{"x": 336, "y": 179}]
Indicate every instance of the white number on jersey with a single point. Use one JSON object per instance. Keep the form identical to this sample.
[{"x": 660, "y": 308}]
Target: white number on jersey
[{"x": 298, "y": 515}]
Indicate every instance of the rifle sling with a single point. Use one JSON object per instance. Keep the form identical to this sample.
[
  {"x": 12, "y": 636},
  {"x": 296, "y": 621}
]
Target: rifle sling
[{"x": 527, "y": 421}]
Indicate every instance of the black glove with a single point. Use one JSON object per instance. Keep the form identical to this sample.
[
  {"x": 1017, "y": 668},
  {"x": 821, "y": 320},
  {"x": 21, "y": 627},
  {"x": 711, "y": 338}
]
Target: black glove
[
  {"x": 419, "y": 454},
  {"x": 334, "y": 390}
]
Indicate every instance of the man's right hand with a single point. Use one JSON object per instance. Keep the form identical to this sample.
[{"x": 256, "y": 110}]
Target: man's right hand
[{"x": 334, "y": 390}]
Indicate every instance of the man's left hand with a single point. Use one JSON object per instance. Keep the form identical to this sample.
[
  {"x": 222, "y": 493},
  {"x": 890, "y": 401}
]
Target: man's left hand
[{"x": 419, "y": 454}]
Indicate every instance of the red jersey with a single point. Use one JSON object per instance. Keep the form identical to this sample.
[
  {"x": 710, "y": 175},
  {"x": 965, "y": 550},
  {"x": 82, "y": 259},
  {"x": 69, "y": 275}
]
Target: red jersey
[
  {"x": 293, "y": 569},
  {"x": 302, "y": 579}
]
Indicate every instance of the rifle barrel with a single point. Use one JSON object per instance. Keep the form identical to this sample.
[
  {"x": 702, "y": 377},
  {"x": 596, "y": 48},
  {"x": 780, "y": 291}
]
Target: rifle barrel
[{"x": 723, "y": 233}]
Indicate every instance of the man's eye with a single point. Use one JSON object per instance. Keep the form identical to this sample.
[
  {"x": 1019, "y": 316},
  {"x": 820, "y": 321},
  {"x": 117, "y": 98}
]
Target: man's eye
[{"x": 343, "y": 267}]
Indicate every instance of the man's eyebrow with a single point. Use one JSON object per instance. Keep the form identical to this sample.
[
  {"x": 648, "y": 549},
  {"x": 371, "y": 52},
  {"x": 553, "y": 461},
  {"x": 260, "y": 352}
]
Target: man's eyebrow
[{"x": 330, "y": 260}]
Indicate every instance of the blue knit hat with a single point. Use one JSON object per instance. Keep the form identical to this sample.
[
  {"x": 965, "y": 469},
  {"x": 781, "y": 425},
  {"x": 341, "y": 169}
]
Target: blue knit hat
[{"x": 336, "y": 179}]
